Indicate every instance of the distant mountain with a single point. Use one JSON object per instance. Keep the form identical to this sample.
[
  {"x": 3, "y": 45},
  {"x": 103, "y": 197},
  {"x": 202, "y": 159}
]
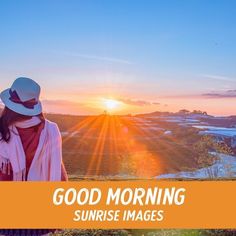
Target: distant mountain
[
  {"x": 195, "y": 114},
  {"x": 155, "y": 113}
]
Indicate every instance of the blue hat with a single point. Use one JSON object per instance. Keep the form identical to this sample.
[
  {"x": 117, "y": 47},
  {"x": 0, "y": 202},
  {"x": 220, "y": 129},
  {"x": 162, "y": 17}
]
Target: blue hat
[{"x": 23, "y": 97}]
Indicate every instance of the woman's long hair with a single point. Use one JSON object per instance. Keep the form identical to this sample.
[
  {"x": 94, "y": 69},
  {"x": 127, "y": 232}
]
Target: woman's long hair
[{"x": 8, "y": 118}]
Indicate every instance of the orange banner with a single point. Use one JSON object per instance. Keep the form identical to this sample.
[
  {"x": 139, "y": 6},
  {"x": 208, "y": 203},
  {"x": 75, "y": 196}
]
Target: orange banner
[{"x": 118, "y": 204}]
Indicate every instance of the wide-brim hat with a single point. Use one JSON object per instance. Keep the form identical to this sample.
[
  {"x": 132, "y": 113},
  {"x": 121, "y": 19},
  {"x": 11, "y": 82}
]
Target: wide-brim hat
[{"x": 23, "y": 97}]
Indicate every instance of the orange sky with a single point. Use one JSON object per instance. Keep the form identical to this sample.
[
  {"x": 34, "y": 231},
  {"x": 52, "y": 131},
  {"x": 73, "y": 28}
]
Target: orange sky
[{"x": 98, "y": 104}]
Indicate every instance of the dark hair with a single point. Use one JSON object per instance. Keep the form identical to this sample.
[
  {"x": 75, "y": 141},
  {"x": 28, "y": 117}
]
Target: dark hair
[{"x": 9, "y": 117}]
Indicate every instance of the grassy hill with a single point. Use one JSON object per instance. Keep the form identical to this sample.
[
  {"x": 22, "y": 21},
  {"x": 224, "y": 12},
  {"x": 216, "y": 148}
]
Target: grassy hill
[{"x": 114, "y": 145}]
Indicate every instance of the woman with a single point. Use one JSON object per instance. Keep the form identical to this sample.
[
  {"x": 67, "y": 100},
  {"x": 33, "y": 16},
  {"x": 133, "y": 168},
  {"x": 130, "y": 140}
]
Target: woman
[{"x": 30, "y": 145}]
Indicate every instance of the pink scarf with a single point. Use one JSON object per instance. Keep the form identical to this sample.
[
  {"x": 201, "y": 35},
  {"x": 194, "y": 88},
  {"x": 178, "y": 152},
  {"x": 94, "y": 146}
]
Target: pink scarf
[{"x": 46, "y": 165}]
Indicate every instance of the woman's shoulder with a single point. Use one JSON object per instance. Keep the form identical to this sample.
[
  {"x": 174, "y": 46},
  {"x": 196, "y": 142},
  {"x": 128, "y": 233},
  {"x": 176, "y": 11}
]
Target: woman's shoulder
[
  {"x": 50, "y": 123},
  {"x": 51, "y": 126}
]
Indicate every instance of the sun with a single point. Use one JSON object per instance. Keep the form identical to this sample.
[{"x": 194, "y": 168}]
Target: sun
[{"x": 111, "y": 104}]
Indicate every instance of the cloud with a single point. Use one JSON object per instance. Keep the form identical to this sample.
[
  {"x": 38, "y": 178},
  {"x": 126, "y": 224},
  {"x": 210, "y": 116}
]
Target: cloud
[
  {"x": 99, "y": 58},
  {"x": 61, "y": 103},
  {"x": 155, "y": 103},
  {"x": 64, "y": 107},
  {"x": 138, "y": 102},
  {"x": 219, "y": 77},
  {"x": 226, "y": 94}
]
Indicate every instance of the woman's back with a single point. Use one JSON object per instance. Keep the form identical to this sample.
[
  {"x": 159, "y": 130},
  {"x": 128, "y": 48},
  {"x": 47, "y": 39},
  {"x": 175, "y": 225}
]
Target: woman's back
[{"x": 37, "y": 145}]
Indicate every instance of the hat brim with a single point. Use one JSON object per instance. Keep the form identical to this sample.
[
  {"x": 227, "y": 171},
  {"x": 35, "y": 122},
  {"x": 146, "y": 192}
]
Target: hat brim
[{"x": 19, "y": 108}]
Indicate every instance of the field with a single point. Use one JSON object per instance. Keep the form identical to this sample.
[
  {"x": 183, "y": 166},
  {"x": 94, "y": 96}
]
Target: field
[
  {"x": 124, "y": 146},
  {"x": 151, "y": 232}
]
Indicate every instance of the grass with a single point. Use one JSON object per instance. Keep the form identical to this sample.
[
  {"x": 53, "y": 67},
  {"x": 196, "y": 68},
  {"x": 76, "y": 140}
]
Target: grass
[{"x": 107, "y": 146}]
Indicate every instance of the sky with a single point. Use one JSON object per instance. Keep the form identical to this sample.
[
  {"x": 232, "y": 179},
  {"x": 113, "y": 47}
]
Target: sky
[{"x": 125, "y": 56}]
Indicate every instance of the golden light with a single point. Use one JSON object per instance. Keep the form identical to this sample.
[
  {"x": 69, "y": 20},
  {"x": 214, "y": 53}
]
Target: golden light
[{"x": 111, "y": 104}]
